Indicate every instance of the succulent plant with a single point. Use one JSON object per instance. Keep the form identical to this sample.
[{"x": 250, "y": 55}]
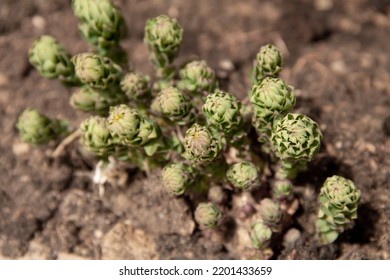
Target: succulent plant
[
  {"x": 271, "y": 98},
  {"x": 52, "y": 61},
  {"x": 271, "y": 214},
  {"x": 176, "y": 178},
  {"x": 36, "y": 128},
  {"x": 282, "y": 189},
  {"x": 212, "y": 141},
  {"x": 96, "y": 137},
  {"x": 97, "y": 71},
  {"x": 175, "y": 105},
  {"x": 339, "y": 199},
  {"x": 222, "y": 110},
  {"x": 198, "y": 78},
  {"x": 260, "y": 235},
  {"x": 136, "y": 87},
  {"x": 95, "y": 101},
  {"x": 132, "y": 128},
  {"x": 101, "y": 24},
  {"x": 296, "y": 139},
  {"x": 243, "y": 175},
  {"x": 201, "y": 144},
  {"x": 163, "y": 36},
  {"x": 207, "y": 215},
  {"x": 268, "y": 63}
]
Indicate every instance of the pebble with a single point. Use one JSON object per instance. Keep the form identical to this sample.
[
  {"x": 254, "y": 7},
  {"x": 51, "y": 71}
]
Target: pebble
[
  {"x": 20, "y": 148},
  {"x": 38, "y": 22},
  {"x": 323, "y": 5}
]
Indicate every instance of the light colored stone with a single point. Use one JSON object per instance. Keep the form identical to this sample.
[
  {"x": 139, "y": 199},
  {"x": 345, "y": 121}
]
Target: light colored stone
[{"x": 126, "y": 242}]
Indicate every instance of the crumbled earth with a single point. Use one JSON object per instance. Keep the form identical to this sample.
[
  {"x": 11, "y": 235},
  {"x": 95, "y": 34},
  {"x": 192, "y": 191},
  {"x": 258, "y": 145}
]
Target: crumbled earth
[{"x": 337, "y": 58}]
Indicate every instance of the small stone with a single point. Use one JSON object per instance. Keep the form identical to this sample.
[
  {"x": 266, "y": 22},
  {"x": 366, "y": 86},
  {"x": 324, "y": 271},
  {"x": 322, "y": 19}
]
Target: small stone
[
  {"x": 20, "y": 148},
  {"x": 38, "y": 22}
]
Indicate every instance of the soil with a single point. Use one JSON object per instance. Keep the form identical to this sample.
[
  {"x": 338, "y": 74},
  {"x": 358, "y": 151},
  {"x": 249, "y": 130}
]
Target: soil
[{"x": 337, "y": 58}]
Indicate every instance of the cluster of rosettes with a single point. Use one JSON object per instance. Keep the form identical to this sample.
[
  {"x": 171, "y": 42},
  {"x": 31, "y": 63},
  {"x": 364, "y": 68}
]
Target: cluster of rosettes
[
  {"x": 215, "y": 149},
  {"x": 339, "y": 199},
  {"x": 96, "y": 137},
  {"x": 130, "y": 127},
  {"x": 121, "y": 134}
]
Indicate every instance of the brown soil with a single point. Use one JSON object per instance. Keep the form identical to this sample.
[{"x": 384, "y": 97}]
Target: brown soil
[{"x": 336, "y": 56}]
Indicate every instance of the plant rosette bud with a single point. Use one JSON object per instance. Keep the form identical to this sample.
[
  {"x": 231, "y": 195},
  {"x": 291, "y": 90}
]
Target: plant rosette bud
[
  {"x": 52, "y": 61},
  {"x": 271, "y": 214},
  {"x": 296, "y": 137},
  {"x": 176, "y": 178},
  {"x": 271, "y": 98},
  {"x": 243, "y": 176},
  {"x": 97, "y": 71},
  {"x": 260, "y": 235},
  {"x": 207, "y": 215},
  {"x": 136, "y": 87},
  {"x": 197, "y": 77},
  {"x": 96, "y": 101},
  {"x": 130, "y": 127},
  {"x": 282, "y": 189},
  {"x": 163, "y": 36},
  {"x": 339, "y": 199},
  {"x": 36, "y": 128},
  {"x": 201, "y": 145},
  {"x": 174, "y": 105},
  {"x": 96, "y": 137},
  {"x": 222, "y": 110},
  {"x": 268, "y": 63},
  {"x": 101, "y": 23}
]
